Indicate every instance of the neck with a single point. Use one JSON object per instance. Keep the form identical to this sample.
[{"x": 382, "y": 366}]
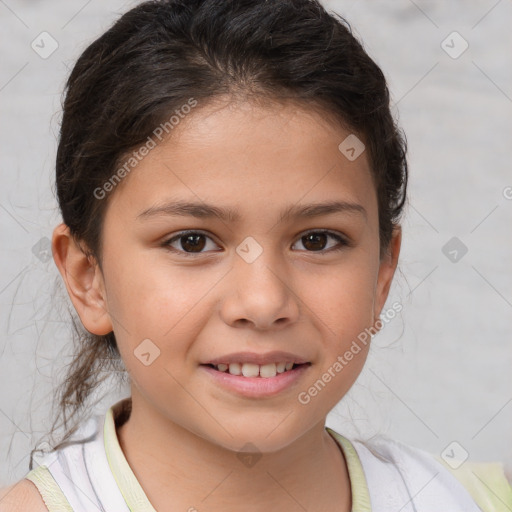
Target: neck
[{"x": 175, "y": 466}]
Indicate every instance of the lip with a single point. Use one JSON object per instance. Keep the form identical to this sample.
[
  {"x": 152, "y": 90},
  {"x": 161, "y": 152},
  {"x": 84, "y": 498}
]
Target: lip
[
  {"x": 275, "y": 356},
  {"x": 257, "y": 387}
]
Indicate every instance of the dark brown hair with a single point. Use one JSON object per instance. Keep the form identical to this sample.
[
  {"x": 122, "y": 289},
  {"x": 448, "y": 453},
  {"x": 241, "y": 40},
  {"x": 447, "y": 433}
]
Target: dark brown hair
[{"x": 162, "y": 53}]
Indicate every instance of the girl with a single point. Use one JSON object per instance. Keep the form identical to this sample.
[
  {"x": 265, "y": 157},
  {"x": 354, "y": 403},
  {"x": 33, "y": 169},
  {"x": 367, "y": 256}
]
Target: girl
[{"x": 231, "y": 183}]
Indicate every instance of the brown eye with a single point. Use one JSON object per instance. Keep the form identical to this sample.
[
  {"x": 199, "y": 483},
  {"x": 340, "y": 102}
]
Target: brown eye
[
  {"x": 188, "y": 243},
  {"x": 192, "y": 243},
  {"x": 316, "y": 241}
]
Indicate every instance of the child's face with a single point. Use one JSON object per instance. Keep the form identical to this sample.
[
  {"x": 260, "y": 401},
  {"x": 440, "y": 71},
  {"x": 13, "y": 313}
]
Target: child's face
[{"x": 216, "y": 299}]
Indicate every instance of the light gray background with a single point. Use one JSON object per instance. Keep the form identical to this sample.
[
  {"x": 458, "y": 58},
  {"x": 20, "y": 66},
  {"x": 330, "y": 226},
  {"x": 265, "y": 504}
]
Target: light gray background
[{"x": 442, "y": 370}]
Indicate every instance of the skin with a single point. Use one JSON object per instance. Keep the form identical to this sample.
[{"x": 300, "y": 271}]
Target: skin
[{"x": 184, "y": 432}]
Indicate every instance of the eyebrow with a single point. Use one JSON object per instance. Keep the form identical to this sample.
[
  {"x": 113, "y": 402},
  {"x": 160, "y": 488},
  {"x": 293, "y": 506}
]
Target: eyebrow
[{"x": 204, "y": 210}]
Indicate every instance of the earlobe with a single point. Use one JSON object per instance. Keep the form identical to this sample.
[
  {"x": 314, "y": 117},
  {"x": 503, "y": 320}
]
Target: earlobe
[
  {"x": 387, "y": 271},
  {"x": 84, "y": 281}
]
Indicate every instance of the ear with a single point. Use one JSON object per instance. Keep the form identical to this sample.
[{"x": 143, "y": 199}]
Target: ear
[
  {"x": 84, "y": 281},
  {"x": 386, "y": 271}
]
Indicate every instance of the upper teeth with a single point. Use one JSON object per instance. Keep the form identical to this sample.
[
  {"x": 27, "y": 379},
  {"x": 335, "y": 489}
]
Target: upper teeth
[{"x": 254, "y": 370}]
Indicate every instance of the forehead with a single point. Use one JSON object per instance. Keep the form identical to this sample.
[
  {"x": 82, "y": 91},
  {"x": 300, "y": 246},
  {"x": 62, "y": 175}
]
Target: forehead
[{"x": 250, "y": 155}]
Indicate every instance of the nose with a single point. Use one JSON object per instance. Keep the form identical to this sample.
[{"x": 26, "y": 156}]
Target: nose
[{"x": 260, "y": 293}]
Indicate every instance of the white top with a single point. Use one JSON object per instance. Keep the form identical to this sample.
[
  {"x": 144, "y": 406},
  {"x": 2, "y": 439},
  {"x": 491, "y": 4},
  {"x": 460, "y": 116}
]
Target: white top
[{"x": 94, "y": 475}]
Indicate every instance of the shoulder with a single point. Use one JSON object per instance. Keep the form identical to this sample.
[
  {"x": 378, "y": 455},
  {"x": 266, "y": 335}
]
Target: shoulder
[
  {"x": 489, "y": 483},
  {"x": 485, "y": 483},
  {"x": 22, "y": 496}
]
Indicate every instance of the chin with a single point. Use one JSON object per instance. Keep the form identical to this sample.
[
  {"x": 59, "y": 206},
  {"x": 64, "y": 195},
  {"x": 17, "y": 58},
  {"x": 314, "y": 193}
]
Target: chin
[{"x": 257, "y": 437}]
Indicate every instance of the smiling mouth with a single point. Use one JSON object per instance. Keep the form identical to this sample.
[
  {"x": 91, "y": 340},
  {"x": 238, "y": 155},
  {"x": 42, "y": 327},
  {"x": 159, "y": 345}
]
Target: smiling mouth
[{"x": 254, "y": 370}]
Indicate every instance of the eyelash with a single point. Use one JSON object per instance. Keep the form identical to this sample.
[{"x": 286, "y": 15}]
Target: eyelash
[{"x": 342, "y": 242}]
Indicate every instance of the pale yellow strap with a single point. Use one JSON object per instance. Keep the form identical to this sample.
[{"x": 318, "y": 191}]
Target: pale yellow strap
[
  {"x": 127, "y": 482},
  {"x": 51, "y": 493},
  {"x": 486, "y": 482},
  {"x": 360, "y": 494}
]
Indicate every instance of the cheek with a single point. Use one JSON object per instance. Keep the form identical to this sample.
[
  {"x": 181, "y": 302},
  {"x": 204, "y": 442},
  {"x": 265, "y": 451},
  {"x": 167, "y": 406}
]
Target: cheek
[
  {"x": 342, "y": 297},
  {"x": 150, "y": 299},
  {"x": 150, "y": 306},
  {"x": 342, "y": 306},
  {"x": 146, "y": 293}
]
